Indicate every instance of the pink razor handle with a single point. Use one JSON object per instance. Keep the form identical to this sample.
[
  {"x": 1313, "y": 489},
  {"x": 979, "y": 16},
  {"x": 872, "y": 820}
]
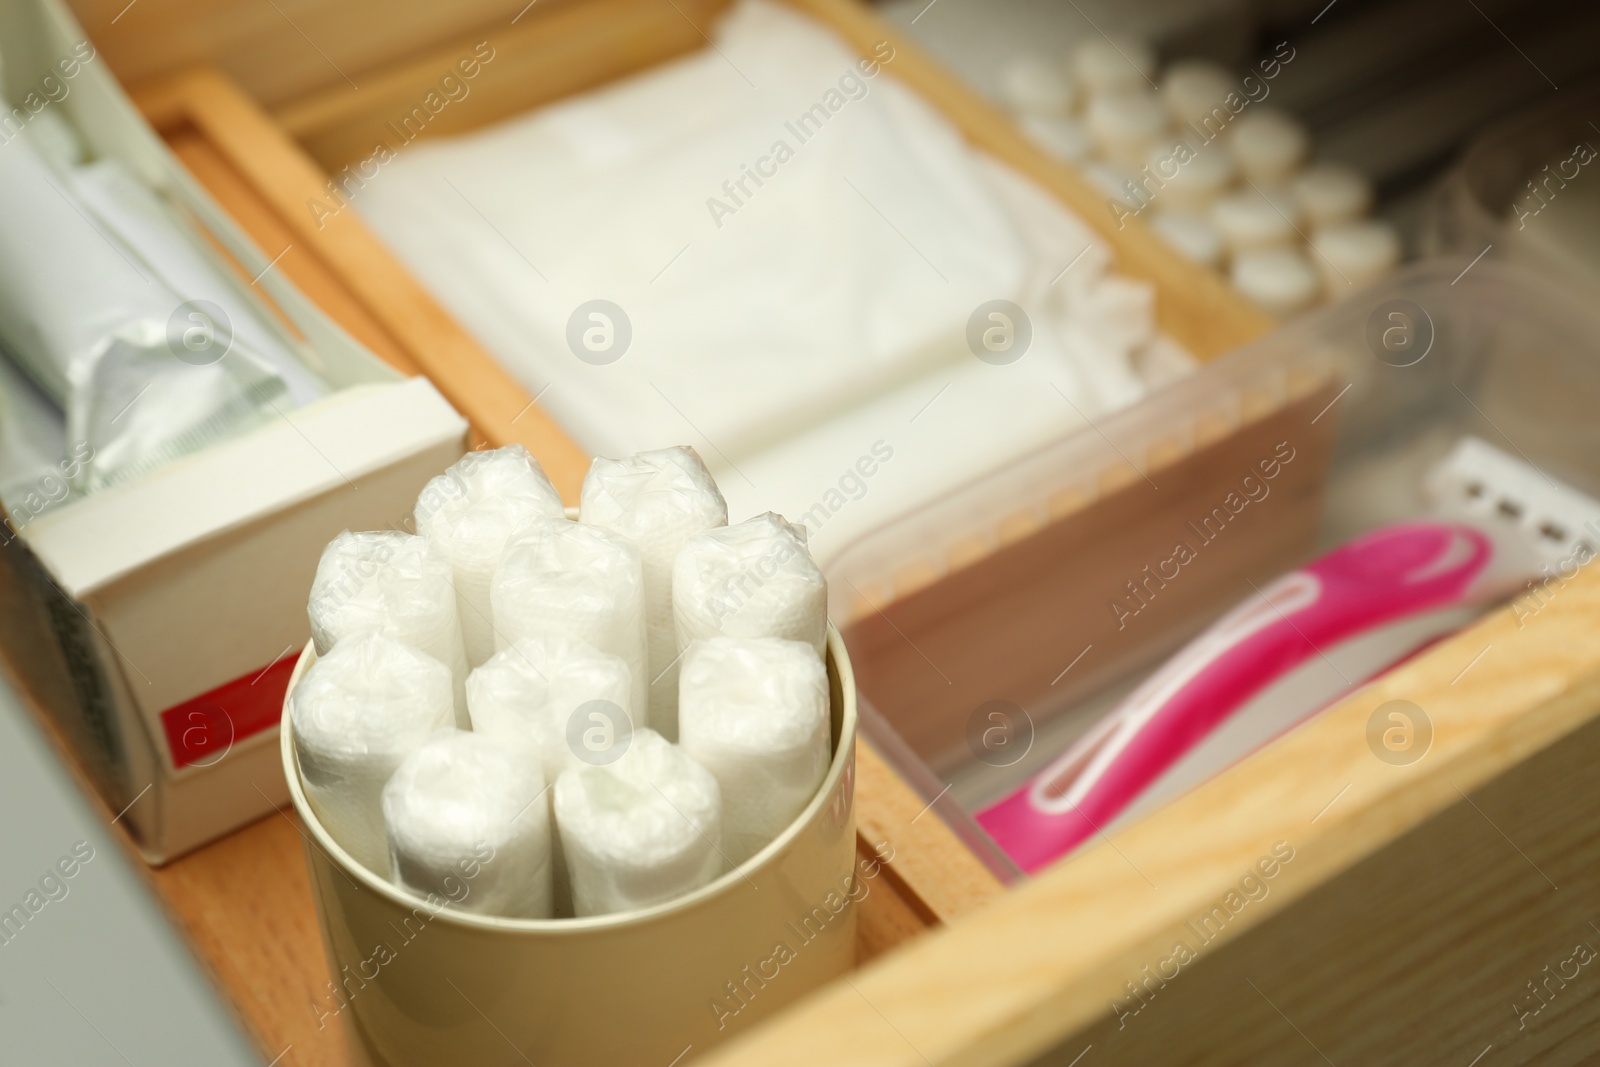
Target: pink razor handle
[{"x": 1379, "y": 579}]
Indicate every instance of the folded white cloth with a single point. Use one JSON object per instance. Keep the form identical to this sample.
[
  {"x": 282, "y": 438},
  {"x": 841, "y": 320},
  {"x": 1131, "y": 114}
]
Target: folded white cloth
[
  {"x": 561, "y": 577},
  {"x": 640, "y": 831},
  {"x": 754, "y": 712},
  {"x": 658, "y": 500},
  {"x": 467, "y": 819},
  {"x": 356, "y": 714},
  {"x": 396, "y": 584},
  {"x": 751, "y": 579},
  {"x": 547, "y": 689},
  {"x": 471, "y": 511}
]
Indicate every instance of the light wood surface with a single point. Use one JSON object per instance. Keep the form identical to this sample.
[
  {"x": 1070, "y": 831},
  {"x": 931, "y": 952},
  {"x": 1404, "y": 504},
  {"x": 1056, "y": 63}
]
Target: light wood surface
[
  {"x": 1419, "y": 901},
  {"x": 547, "y": 55},
  {"x": 282, "y": 49}
]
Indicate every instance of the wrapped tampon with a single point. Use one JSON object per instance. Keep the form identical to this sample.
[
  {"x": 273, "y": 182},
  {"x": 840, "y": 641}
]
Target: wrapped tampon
[
  {"x": 658, "y": 500},
  {"x": 752, "y": 579},
  {"x": 467, "y": 820},
  {"x": 754, "y": 712},
  {"x": 532, "y": 691},
  {"x": 471, "y": 511},
  {"x": 642, "y": 830},
  {"x": 143, "y": 375},
  {"x": 358, "y": 712},
  {"x": 397, "y": 584},
  {"x": 561, "y": 577}
]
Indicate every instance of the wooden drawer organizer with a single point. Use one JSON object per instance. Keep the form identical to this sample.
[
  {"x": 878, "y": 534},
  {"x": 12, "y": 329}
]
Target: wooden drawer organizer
[{"x": 1419, "y": 899}]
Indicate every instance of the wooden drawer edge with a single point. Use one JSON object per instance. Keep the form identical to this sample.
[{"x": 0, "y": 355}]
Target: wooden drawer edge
[{"x": 1049, "y": 959}]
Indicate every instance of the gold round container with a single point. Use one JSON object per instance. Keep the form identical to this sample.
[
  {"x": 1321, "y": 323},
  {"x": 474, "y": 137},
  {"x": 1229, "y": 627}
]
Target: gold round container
[{"x": 424, "y": 984}]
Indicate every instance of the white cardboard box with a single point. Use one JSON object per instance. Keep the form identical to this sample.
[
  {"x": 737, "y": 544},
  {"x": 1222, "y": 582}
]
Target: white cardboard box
[{"x": 157, "y": 621}]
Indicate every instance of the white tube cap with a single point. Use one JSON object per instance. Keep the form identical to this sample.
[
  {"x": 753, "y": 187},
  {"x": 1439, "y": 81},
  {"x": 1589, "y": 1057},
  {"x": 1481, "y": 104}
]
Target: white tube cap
[
  {"x": 1270, "y": 145},
  {"x": 1331, "y": 195},
  {"x": 1281, "y": 280},
  {"x": 1356, "y": 253}
]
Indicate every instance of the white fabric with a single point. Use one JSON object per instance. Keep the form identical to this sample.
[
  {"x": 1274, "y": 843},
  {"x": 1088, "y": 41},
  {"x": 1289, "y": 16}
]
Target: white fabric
[
  {"x": 813, "y": 323},
  {"x": 357, "y": 713},
  {"x": 596, "y": 195},
  {"x": 571, "y": 578},
  {"x": 530, "y": 692},
  {"x": 752, "y": 579},
  {"x": 754, "y": 712},
  {"x": 471, "y": 512},
  {"x": 640, "y": 831},
  {"x": 658, "y": 500},
  {"x": 396, "y": 584},
  {"x": 467, "y": 819}
]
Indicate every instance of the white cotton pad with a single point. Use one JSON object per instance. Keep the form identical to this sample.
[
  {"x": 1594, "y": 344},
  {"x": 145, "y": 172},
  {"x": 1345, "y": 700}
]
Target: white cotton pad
[
  {"x": 1331, "y": 195},
  {"x": 1125, "y": 126},
  {"x": 657, "y": 500},
  {"x": 1194, "y": 88},
  {"x": 1270, "y": 145},
  {"x": 1194, "y": 178},
  {"x": 560, "y": 577},
  {"x": 639, "y": 831},
  {"x": 397, "y": 584},
  {"x": 752, "y": 579},
  {"x": 1279, "y": 279},
  {"x": 754, "y": 712},
  {"x": 471, "y": 511},
  {"x": 1033, "y": 87},
  {"x": 467, "y": 819},
  {"x": 1195, "y": 236},
  {"x": 1251, "y": 220},
  {"x": 358, "y": 712},
  {"x": 1356, "y": 253},
  {"x": 532, "y": 690},
  {"x": 1113, "y": 65}
]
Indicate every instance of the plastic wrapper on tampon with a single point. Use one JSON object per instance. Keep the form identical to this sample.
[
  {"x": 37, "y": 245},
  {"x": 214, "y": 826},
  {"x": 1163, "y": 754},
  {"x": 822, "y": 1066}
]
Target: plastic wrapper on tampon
[
  {"x": 658, "y": 500},
  {"x": 397, "y": 584}
]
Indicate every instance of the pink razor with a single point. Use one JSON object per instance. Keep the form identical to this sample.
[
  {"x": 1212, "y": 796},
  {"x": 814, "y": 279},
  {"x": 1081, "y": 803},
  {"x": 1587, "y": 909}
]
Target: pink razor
[{"x": 1376, "y": 600}]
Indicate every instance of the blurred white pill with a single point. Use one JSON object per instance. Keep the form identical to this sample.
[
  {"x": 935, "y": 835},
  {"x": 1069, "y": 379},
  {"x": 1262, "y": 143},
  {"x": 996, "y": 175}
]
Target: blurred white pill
[
  {"x": 1113, "y": 64},
  {"x": 1194, "y": 88},
  {"x": 1270, "y": 145},
  {"x": 1125, "y": 126},
  {"x": 1195, "y": 236},
  {"x": 1250, "y": 219},
  {"x": 1355, "y": 254},
  {"x": 1331, "y": 195},
  {"x": 1031, "y": 86},
  {"x": 1281, "y": 280},
  {"x": 1194, "y": 178}
]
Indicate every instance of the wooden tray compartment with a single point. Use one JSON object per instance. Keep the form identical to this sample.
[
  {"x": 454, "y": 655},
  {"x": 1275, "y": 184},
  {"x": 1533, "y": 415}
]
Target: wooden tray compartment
[{"x": 1043, "y": 965}]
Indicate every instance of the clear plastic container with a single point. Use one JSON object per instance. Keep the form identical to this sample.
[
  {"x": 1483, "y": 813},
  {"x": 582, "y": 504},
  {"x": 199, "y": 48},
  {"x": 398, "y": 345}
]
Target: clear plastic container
[
  {"x": 1030, "y": 594},
  {"x": 1528, "y": 189}
]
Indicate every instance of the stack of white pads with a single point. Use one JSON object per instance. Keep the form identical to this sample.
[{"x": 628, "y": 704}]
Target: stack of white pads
[{"x": 655, "y": 672}]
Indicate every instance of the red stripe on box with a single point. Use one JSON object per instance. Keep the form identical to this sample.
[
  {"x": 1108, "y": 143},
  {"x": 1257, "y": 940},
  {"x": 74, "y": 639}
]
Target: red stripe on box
[{"x": 201, "y": 731}]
